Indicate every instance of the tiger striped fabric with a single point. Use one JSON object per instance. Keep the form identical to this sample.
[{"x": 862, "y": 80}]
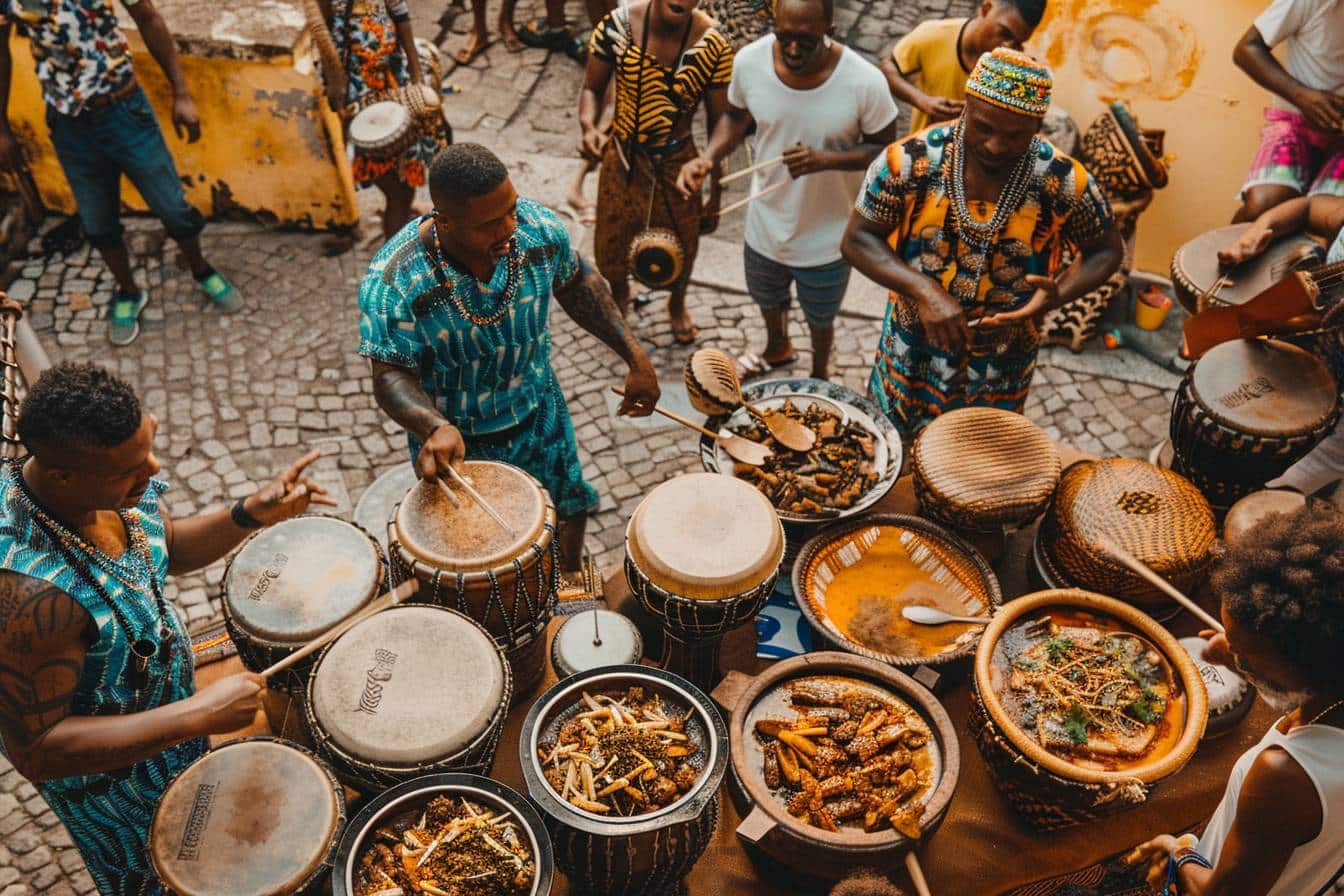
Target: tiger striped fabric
[
  {"x": 108, "y": 814},
  {"x": 666, "y": 94}
]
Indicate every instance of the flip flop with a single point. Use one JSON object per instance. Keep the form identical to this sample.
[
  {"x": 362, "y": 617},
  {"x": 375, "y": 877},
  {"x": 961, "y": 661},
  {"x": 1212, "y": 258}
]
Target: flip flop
[
  {"x": 536, "y": 34},
  {"x": 464, "y": 57},
  {"x": 751, "y": 365},
  {"x": 685, "y": 335}
]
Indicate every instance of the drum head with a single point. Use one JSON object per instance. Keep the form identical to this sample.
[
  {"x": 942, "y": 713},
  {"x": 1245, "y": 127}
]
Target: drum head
[
  {"x": 375, "y": 506},
  {"x": 1264, "y": 387},
  {"x": 295, "y": 580},
  {"x": 466, "y": 538},
  {"x": 706, "y": 536},
  {"x": 379, "y": 123},
  {"x": 412, "y": 684},
  {"x": 251, "y": 818},
  {"x": 988, "y": 463}
]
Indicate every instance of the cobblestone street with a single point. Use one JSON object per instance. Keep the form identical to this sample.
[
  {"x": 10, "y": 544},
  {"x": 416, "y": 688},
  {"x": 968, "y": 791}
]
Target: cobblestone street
[{"x": 240, "y": 397}]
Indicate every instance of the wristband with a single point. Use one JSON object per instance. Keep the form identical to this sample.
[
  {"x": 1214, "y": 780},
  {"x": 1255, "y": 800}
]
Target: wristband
[
  {"x": 1186, "y": 855},
  {"x": 242, "y": 519}
]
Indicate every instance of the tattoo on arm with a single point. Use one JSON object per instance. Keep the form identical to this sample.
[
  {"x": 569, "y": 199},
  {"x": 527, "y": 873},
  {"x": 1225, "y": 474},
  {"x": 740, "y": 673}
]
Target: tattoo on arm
[
  {"x": 399, "y": 393},
  {"x": 43, "y": 637},
  {"x": 587, "y": 299}
]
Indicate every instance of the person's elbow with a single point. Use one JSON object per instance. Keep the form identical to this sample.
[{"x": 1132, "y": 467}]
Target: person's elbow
[{"x": 1246, "y": 53}]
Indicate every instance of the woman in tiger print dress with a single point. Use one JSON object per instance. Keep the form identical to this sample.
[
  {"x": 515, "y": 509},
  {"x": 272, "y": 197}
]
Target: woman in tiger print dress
[{"x": 667, "y": 58}]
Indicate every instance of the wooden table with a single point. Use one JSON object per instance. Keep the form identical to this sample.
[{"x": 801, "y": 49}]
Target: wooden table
[{"x": 982, "y": 848}]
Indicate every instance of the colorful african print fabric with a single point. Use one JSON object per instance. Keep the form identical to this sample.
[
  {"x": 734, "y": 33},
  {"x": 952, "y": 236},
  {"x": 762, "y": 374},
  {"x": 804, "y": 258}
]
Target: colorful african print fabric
[
  {"x": 368, "y": 38},
  {"x": 493, "y": 381},
  {"x": 654, "y": 109},
  {"x": 79, "y": 49},
  {"x": 907, "y": 190},
  {"x": 108, "y": 814},
  {"x": 1012, "y": 80}
]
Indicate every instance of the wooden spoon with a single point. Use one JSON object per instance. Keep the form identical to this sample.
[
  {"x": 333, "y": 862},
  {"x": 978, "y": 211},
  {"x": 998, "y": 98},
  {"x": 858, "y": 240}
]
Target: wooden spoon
[
  {"x": 740, "y": 449},
  {"x": 934, "y": 616},
  {"x": 787, "y": 431}
]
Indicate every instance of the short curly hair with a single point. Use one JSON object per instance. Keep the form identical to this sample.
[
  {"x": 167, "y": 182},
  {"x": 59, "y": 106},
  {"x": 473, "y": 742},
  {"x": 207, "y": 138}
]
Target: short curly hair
[
  {"x": 464, "y": 171},
  {"x": 1287, "y": 584},
  {"x": 80, "y": 406}
]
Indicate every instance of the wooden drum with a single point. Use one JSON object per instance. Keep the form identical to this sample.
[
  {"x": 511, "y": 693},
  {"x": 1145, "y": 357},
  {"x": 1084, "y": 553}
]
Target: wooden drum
[
  {"x": 1245, "y": 412},
  {"x": 413, "y": 690},
  {"x": 292, "y": 582},
  {"x": 254, "y": 817},
  {"x": 702, "y": 553},
  {"x": 382, "y": 131},
  {"x": 1200, "y": 282},
  {"x": 466, "y": 561},
  {"x": 657, "y": 257}
]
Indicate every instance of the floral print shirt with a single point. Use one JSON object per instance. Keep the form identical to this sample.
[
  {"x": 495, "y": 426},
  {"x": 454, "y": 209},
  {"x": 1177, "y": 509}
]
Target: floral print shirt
[{"x": 80, "y": 50}]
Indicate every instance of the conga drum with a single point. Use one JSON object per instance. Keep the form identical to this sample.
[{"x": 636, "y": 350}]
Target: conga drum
[
  {"x": 254, "y": 817},
  {"x": 413, "y": 690},
  {"x": 465, "y": 560},
  {"x": 292, "y": 582},
  {"x": 1245, "y": 412},
  {"x": 702, "y": 553}
]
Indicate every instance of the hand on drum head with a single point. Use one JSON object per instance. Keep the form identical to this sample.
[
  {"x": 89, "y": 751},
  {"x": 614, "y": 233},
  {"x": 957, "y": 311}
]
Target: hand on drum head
[
  {"x": 289, "y": 494},
  {"x": 641, "y": 392},
  {"x": 1253, "y": 240},
  {"x": 226, "y": 705},
  {"x": 442, "y": 449}
]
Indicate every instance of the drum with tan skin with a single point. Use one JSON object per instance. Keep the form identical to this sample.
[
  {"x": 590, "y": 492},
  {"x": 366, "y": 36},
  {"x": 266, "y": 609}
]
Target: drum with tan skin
[
  {"x": 465, "y": 560},
  {"x": 703, "y": 552},
  {"x": 255, "y": 817},
  {"x": 382, "y": 131}
]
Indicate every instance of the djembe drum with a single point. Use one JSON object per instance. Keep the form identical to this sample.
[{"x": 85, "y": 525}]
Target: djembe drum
[
  {"x": 702, "y": 553},
  {"x": 1245, "y": 412},
  {"x": 465, "y": 560},
  {"x": 292, "y": 582},
  {"x": 383, "y": 130},
  {"x": 414, "y": 690},
  {"x": 254, "y": 817},
  {"x": 1199, "y": 280}
]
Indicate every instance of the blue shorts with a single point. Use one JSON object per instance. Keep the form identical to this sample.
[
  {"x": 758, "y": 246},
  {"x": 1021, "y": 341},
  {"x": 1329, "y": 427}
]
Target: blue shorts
[
  {"x": 820, "y": 289},
  {"x": 99, "y": 145}
]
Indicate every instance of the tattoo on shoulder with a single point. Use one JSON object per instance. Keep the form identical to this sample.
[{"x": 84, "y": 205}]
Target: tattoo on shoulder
[{"x": 43, "y": 632}]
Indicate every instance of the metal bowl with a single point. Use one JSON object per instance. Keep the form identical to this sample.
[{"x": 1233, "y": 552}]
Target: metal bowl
[
  {"x": 852, "y": 406},
  {"x": 412, "y": 796}
]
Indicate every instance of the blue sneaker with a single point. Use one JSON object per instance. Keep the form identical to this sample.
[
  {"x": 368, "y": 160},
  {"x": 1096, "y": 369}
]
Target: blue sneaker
[
  {"x": 223, "y": 293},
  {"x": 123, "y": 325}
]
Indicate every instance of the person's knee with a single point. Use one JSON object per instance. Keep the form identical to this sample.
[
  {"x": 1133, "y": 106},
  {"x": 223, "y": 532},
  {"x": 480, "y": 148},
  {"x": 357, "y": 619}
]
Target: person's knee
[{"x": 1258, "y": 200}]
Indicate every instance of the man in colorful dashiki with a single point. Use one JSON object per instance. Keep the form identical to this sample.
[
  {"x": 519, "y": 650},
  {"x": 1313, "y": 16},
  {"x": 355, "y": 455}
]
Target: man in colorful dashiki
[
  {"x": 103, "y": 127},
  {"x": 826, "y": 110},
  {"x": 928, "y": 67},
  {"x": 98, "y": 703},
  {"x": 968, "y": 224},
  {"x": 666, "y": 57},
  {"x": 1278, "y": 830},
  {"x": 1302, "y": 142},
  {"x": 454, "y": 322}
]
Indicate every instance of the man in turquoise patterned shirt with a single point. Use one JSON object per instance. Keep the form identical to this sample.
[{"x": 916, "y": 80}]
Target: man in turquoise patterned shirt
[{"x": 454, "y": 322}]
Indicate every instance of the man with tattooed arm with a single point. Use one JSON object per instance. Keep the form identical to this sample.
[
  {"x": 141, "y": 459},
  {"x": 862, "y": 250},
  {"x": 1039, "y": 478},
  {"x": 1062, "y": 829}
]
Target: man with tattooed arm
[
  {"x": 454, "y": 322},
  {"x": 98, "y": 704}
]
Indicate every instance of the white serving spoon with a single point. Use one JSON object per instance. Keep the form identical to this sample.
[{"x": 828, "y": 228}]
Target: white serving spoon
[{"x": 934, "y": 616}]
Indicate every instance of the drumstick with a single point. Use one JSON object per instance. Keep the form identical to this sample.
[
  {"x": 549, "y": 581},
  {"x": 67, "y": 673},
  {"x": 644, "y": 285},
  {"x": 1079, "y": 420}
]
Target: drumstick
[
  {"x": 741, "y": 202},
  {"x": 448, "y": 493},
  {"x": 1142, "y": 569},
  {"x": 916, "y": 874},
  {"x": 745, "y": 171},
  {"x": 1204, "y": 297},
  {"x": 677, "y": 417},
  {"x": 476, "y": 496},
  {"x": 390, "y": 599}
]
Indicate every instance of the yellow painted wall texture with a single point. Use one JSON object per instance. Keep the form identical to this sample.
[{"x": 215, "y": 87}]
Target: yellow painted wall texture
[
  {"x": 269, "y": 147},
  {"x": 1172, "y": 61}
]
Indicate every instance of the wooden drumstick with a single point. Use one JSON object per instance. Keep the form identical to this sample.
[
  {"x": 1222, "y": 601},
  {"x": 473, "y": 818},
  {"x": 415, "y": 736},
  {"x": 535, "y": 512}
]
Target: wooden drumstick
[
  {"x": 476, "y": 496},
  {"x": 390, "y": 599},
  {"x": 448, "y": 493},
  {"x": 745, "y": 171},
  {"x": 732, "y": 207},
  {"x": 916, "y": 874},
  {"x": 1146, "y": 573}
]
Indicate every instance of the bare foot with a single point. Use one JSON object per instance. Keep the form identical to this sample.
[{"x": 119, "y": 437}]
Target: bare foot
[
  {"x": 507, "y": 33},
  {"x": 684, "y": 330},
  {"x": 475, "y": 46}
]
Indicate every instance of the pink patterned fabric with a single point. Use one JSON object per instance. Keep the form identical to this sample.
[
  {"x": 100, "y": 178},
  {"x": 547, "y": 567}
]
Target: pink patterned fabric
[{"x": 1295, "y": 153}]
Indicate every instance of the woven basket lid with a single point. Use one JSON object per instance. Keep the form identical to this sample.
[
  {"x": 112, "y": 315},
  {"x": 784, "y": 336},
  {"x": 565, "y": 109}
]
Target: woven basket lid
[
  {"x": 297, "y": 579},
  {"x": 466, "y": 538},
  {"x": 1264, "y": 387},
  {"x": 411, "y": 684},
  {"x": 253, "y": 816},
  {"x": 1245, "y": 515},
  {"x": 993, "y": 466},
  {"x": 705, "y": 536},
  {"x": 1156, "y": 515}
]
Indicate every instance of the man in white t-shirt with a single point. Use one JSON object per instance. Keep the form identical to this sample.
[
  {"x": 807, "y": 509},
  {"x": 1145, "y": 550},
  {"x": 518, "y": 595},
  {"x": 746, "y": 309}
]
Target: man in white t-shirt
[
  {"x": 828, "y": 113},
  {"x": 1302, "y": 142}
]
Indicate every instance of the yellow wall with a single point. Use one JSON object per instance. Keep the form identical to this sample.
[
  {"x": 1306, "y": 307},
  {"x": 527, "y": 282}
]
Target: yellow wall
[
  {"x": 1172, "y": 61},
  {"x": 268, "y": 147}
]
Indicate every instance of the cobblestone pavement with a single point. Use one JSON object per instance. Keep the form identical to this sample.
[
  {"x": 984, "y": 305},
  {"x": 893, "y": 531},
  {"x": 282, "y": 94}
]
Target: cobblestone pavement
[{"x": 240, "y": 397}]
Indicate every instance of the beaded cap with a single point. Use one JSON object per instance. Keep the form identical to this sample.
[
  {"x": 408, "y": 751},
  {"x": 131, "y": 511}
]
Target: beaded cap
[{"x": 1010, "y": 79}]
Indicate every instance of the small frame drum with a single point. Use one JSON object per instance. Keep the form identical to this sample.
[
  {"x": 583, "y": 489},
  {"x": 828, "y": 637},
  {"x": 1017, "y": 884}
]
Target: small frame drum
[
  {"x": 1195, "y": 270},
  {"x": 702, "y": 553},
  {"x": 413, "y": 690},
  {"x": 292, "y": 582},
  {"x": 254, "y": 817},
  {"x": 657, "y": 257},
  {"x": 466, "y": 561},
  {"x": 382, "y": 131},
  {"x": 1245, "y": 412}
]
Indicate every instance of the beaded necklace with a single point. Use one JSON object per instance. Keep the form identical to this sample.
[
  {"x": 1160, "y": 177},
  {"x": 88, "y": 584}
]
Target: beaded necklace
[{"x": 512, "y": 279}]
